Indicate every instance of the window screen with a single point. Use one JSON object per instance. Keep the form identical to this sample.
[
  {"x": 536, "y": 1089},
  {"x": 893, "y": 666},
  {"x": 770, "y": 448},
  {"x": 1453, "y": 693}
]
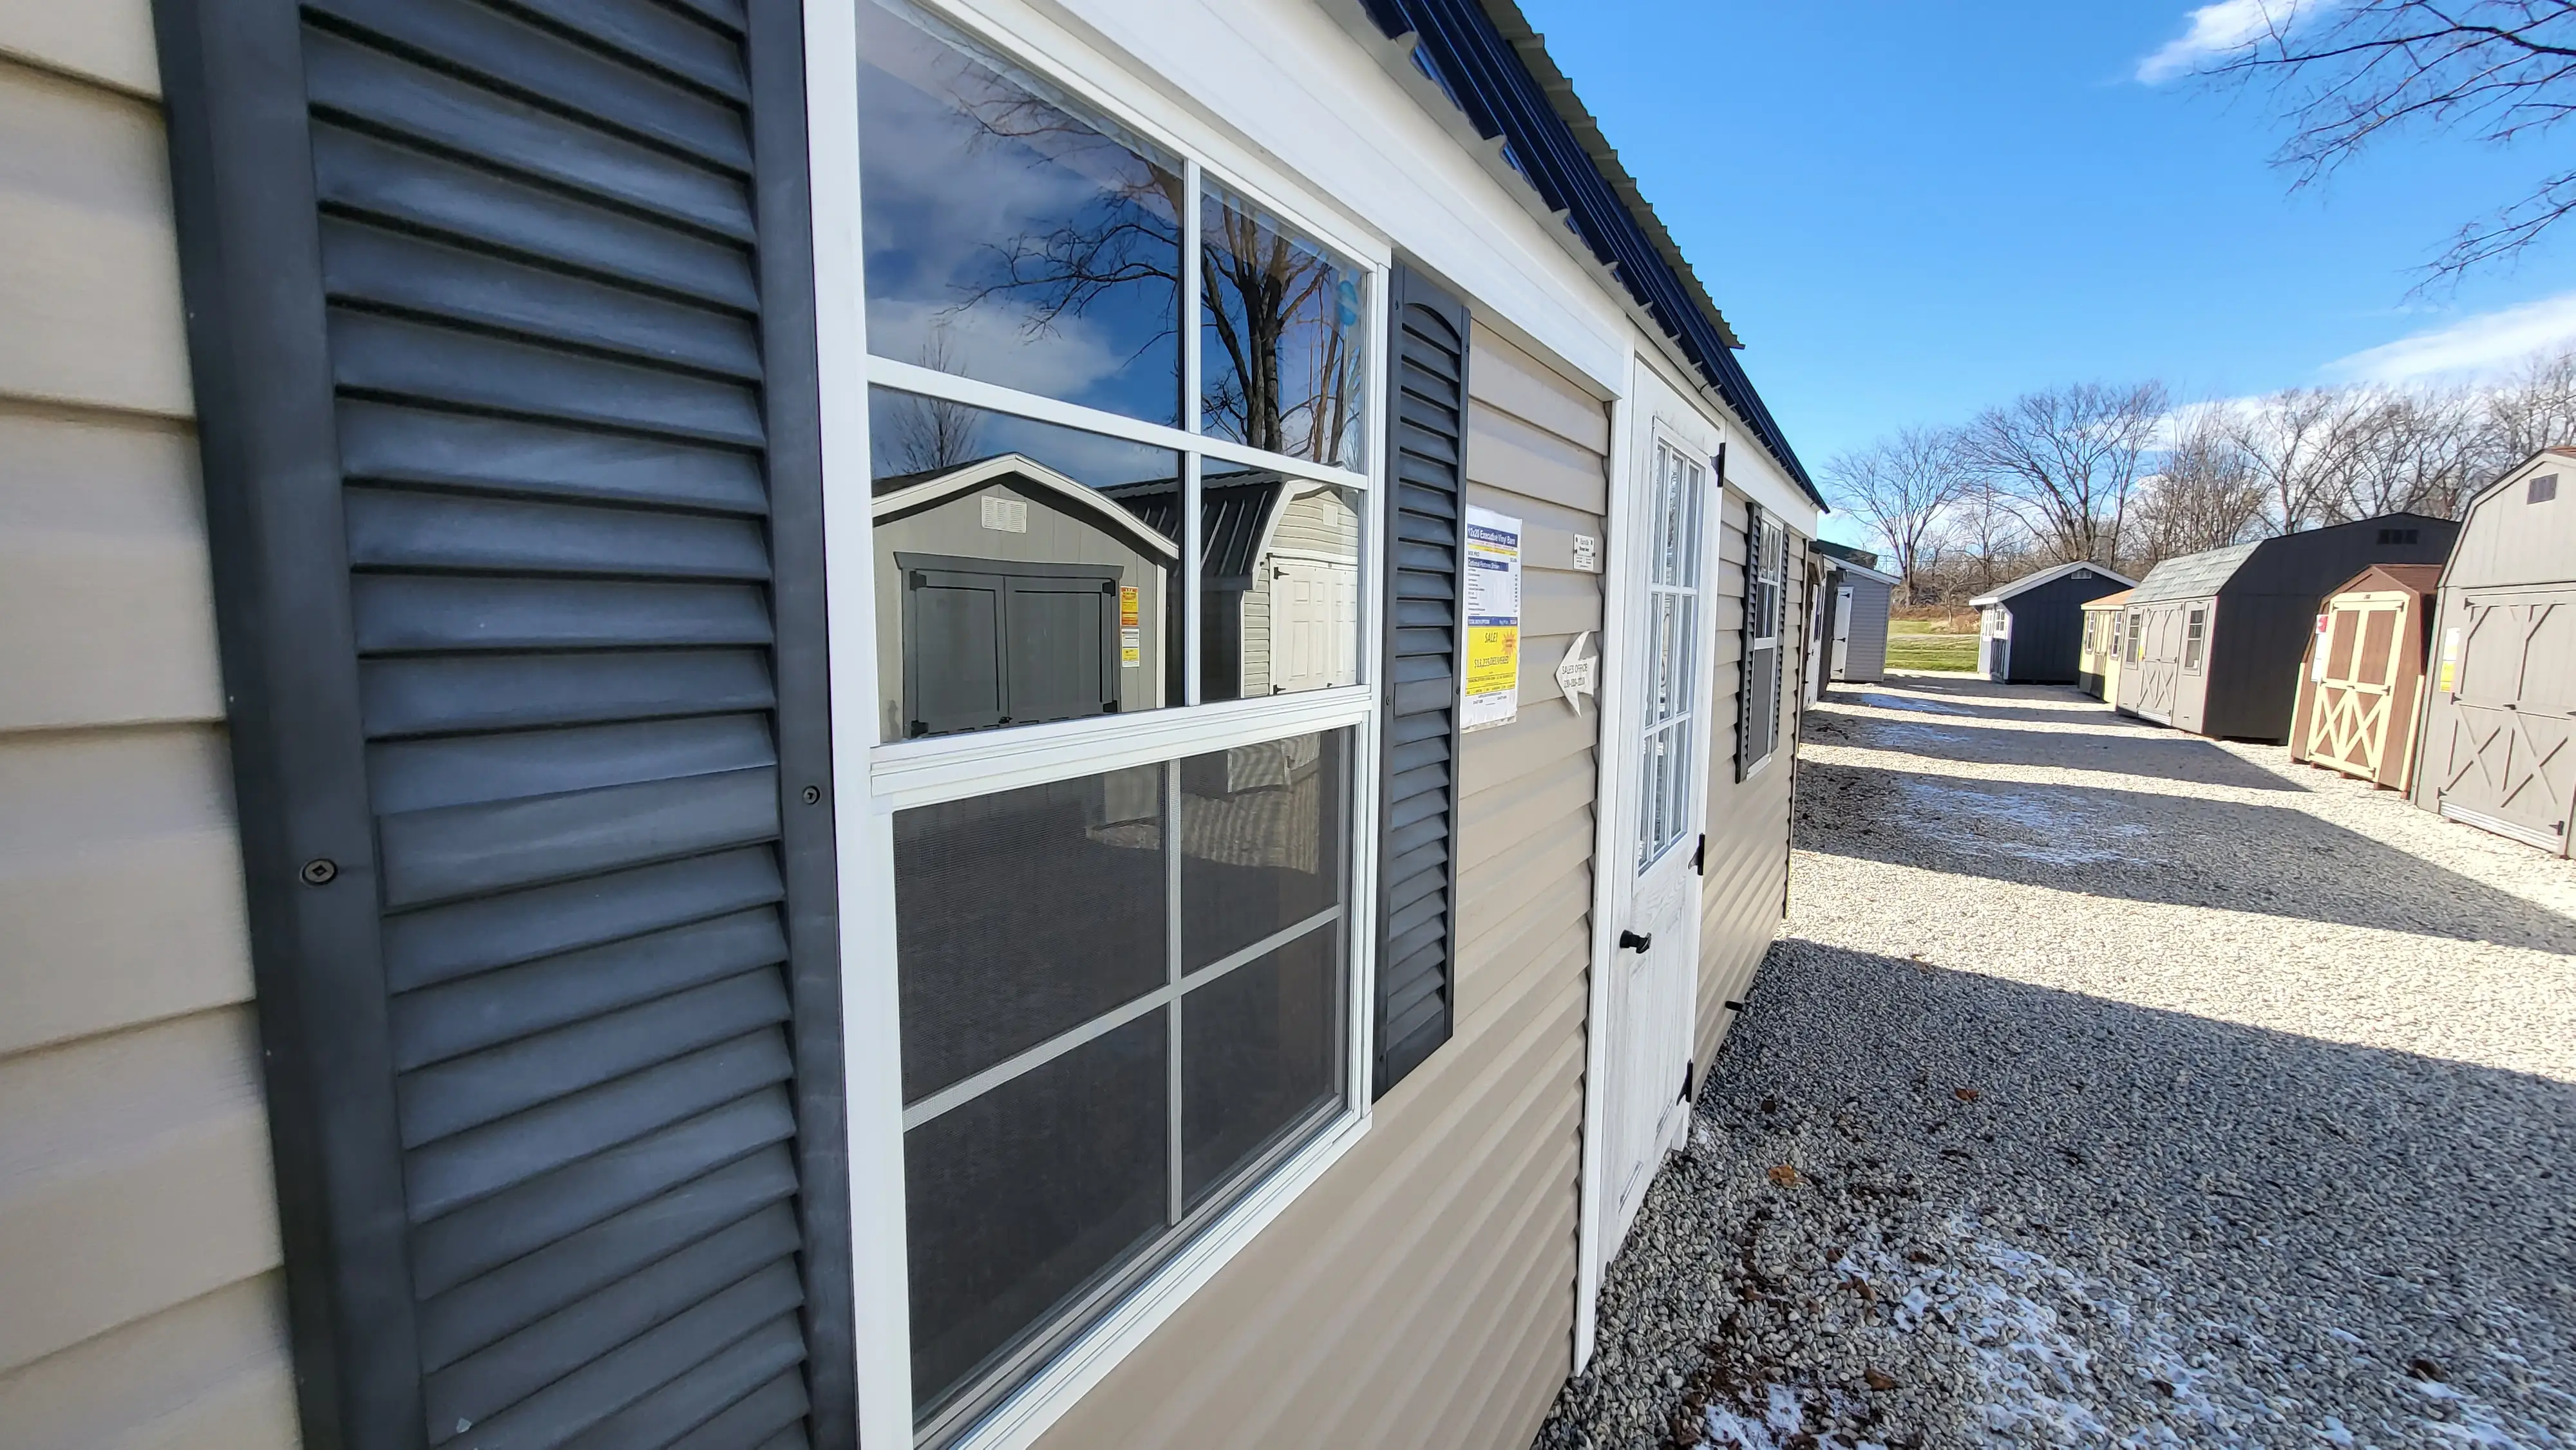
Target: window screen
[{"x": 1123, "y": 997}]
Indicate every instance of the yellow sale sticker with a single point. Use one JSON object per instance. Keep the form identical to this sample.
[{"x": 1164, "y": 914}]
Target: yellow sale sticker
[{"x": 1127, "y": 606}]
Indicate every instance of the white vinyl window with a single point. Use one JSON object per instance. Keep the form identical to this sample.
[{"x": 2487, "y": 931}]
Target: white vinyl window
[
  {"x": 2195, "y": 639},
  {"x": 1766, "y": 562},
  {"x": 1120, "y": 416},
  {"x": 1672, "y": 653}
]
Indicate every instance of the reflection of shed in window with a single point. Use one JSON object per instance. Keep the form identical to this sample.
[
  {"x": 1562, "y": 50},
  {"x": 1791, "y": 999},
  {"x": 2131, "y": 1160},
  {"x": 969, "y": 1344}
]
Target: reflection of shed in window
[
  {"x": 1003, "y": 598},
  {"x": 1279, "y": 580}
]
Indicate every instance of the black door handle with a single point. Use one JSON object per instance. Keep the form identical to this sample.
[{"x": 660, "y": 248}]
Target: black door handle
[{"x": 1633, "y": 942}]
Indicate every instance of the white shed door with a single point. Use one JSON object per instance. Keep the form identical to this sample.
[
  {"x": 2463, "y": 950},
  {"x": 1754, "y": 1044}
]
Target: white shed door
[
  {"x": 1654, "y": 969},
  {"x": 1315, "y": 639}
]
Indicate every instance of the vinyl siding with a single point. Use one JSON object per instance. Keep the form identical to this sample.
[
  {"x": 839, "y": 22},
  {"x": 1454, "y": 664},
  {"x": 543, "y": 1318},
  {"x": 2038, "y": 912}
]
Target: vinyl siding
[
  {"x": 138, "y": 1225},
  {"x": 1865, "y": 655},
  {"x": 1746, "y": 883},
  {"x": 1422, "y": 1293}
]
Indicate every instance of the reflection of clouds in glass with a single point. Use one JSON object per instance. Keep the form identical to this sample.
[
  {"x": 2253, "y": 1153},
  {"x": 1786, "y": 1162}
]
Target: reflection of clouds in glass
[
  {"x": 1047, "y": 246},
  {"x": 1094, "y": 459},
  {"x": 989, "y": 341}
]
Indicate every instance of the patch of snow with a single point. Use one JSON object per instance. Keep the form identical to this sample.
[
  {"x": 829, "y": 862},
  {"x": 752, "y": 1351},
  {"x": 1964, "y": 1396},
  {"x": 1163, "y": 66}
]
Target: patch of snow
[
  {"x": 2027, "y": 823},
  {"x": 1904, "y": 702}
]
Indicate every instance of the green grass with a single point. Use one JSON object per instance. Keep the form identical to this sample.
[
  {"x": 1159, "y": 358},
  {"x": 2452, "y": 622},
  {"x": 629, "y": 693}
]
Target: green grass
[{"x": 1913, "y": 649}]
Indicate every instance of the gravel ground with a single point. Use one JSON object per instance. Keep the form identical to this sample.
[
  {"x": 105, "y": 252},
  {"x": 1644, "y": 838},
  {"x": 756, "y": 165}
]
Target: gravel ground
[{"x": 2109, "y": 1086}]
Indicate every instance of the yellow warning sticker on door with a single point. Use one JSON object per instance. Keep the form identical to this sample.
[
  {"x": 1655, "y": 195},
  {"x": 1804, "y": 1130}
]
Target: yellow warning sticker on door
[
  {"x": 2449, "y": 681},
  {"x": 1127, "y": 606},
  {"x": 1131, "y": 648}
]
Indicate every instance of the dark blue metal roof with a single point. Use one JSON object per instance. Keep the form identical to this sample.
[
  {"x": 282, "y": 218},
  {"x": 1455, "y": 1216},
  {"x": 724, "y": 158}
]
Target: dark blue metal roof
[{"x": 1495, "y": 79}]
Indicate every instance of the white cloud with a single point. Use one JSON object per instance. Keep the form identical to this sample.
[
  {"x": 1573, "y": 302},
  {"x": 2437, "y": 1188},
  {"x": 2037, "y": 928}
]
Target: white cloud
[
  {"x": 2484, "y": 343},
  {"x": 2216, "y": 30}
]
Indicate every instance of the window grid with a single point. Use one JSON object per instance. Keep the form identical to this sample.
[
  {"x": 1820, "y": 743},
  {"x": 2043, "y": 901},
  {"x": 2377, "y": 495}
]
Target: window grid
[
  {"x": 961, "y": 767},
  {"x": 1672, "y": 655},
  {"x": 2194, "y": 639}
]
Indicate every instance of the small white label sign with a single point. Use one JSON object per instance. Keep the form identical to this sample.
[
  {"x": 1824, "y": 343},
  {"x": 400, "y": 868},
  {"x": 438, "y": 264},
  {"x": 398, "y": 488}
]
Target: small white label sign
[{"x": 1587, "y": 552}]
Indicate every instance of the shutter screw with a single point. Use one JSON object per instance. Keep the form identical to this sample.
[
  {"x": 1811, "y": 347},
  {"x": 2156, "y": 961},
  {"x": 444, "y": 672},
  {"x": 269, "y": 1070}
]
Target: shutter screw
[
  {"x": 320, "y": 870},
  {"x": 813, "y": 795}
]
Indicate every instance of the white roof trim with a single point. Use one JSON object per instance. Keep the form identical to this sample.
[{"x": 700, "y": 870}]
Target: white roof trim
[
  {"x": 2047, "y": 576},
  {"x": 1846, "y": 566},
  {"x": 1021, "y": 467}
]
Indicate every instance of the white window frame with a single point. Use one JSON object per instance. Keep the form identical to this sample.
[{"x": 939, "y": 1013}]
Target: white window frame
[
  {"x": 1766, "y": 565},
  {"x": 2195, "y": 639},
  {"x": 900, "y": 775},
  {"x": 1686, "y": 717}
]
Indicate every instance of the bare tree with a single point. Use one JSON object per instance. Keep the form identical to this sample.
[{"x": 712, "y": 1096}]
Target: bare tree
[
  {"x": 1901, "y": 486},
  {"x": 2069, "y": 458},
  {"x": 2207, "y": 497},
  {"x": 933, "y": 433},
  {"x": 2349, "y": 72},
  {"x": 2290, "y": 440}
]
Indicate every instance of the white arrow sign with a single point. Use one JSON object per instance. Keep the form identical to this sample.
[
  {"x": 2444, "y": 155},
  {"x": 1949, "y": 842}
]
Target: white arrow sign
[{"x": 1578, "y": 677}]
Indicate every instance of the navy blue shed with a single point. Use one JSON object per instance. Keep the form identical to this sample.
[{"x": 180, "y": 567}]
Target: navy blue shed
[{"x": 2033, "y": 629}]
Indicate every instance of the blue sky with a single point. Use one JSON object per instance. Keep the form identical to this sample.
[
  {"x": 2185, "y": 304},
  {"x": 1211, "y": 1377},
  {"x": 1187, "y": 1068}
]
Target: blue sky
[{"x": 1920, "y": 209}]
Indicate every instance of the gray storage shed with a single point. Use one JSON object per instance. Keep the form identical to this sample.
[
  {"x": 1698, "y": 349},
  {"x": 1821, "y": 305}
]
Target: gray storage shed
[
  {"x": 2033, "y": 630},
  {"x": 2215, "y": 638},
  {"x": 1853, "y": 600},
  {"x": 2498, "y": 719}
]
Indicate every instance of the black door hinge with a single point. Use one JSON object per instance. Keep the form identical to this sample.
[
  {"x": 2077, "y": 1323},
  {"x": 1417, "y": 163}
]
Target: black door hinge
[
  {"x": 1686, "y": 1081},
  {"x": 1699, "y": 858}
]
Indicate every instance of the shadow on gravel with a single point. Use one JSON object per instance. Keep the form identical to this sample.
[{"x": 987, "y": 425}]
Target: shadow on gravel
[
  {"x": 2156, "y": 848},
  {"x": 1967, "y": 705},
  {"x": 2214, "y": 1224},
  {"x": 2166, "y": 757}
]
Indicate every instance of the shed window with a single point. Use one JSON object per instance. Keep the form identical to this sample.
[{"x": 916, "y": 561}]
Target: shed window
[
  {"x": 1119, "y": 437},
  {"x": 2195, "y": 638},
  {"x": 2542, "y": 489},
  {"x": 1758, "y": 697},
  {"x": 2400, "y": 536},
  {"x": 2119, "y": 629},
  {"x": 2131, "y": 621}
]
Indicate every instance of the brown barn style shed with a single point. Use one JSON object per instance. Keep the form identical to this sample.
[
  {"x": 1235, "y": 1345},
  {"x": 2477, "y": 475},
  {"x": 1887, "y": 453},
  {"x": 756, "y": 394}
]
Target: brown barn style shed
[
  {"x": 2363, "y": 680},
  {"x": 2215, "y": 638},
  {"x": 2497, "y": 750}
]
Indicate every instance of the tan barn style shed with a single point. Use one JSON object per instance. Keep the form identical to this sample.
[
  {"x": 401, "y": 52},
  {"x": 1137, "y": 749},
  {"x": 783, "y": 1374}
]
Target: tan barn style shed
[
  {"x": 2362, "y": 683},
  {"x": 2499, "y": 741}
]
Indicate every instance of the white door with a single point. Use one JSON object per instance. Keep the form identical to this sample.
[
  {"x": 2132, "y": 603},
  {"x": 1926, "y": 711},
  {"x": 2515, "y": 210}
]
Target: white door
[
  {"x": 1654, "y": 971},
  {"x": 1315, "y": 604},
  {"x": 1842, "y": 629}
]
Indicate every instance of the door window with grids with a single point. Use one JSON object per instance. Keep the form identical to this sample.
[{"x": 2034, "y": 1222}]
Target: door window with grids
[
  {"x": 1119, "y": 431},
  {"x": 1669, "y": 724},
  {"x": 2195, "y": 639}
]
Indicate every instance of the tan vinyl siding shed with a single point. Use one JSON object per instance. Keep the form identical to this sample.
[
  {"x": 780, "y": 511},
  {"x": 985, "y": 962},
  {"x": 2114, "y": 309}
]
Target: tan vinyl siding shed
[
  {"x": 1419, "y": 1292},
  {"x": 140, "y": 1303}
]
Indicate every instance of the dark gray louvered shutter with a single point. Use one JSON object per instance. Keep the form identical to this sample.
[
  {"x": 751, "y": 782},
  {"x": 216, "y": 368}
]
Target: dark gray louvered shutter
[
  {"x": 502, "y": 327},
  {"x": 1427, "y": 449}
]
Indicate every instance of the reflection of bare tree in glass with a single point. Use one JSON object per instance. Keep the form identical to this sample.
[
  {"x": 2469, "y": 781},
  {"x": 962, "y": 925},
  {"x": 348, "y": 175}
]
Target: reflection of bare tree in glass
[
  {"x": 1268, "y": 293},
  {"x": 933, "y": 433}
]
